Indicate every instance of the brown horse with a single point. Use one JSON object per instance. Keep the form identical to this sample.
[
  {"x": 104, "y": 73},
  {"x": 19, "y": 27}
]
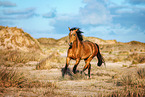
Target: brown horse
[{"x": 81, "y": 50}]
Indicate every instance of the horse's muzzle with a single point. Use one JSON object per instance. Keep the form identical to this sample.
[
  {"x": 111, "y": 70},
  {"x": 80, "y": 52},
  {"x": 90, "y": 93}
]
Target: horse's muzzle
[{"x": 70, "y": 44}]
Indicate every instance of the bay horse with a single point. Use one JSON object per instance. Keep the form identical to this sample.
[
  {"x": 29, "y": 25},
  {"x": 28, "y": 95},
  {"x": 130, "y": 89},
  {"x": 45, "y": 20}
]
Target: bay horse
[{"x": 81, "y": 50}]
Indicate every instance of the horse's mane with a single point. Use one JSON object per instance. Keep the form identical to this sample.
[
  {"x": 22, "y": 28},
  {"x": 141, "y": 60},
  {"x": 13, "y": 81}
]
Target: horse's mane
[{"x": 78, "y": 33}]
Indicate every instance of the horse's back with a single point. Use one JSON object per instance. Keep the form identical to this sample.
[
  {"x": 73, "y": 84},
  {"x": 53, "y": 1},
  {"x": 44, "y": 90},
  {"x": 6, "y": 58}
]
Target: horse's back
[
  {"x": 89, "y": 48},
  {"x": 89, "y": 44}
]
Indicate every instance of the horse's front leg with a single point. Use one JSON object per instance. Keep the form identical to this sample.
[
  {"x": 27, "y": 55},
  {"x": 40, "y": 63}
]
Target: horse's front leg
[
  {"x": 65, "y": 69},
  {"x": 75, "y": 66}
]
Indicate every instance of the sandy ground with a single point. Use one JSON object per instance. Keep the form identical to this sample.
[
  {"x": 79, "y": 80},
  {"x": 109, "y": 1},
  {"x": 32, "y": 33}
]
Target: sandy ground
[{"x": 102, "y": 81}]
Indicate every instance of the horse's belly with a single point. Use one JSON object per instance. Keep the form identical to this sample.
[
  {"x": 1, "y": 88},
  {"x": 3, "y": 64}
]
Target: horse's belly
[
  {"x": 85, "y": 56},
  {"x": 72, "y": 56}
]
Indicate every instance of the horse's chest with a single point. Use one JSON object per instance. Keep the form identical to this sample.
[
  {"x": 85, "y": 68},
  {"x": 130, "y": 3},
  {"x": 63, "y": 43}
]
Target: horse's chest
[{"x": 72, "y": 54}]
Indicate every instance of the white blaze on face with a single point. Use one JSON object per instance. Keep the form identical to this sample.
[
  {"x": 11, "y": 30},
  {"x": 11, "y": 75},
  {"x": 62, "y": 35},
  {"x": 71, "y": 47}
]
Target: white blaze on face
[{"x": 71, "y": 32}]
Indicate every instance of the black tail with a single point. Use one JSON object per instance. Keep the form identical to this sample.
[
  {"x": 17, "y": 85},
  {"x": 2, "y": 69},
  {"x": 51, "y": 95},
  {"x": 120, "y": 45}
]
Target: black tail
[{"x": 100, "y": 58}]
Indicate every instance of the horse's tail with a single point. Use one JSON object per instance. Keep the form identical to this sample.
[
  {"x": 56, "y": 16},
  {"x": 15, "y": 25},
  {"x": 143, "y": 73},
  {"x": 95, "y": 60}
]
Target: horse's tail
[{"x": 100, "y": 58}]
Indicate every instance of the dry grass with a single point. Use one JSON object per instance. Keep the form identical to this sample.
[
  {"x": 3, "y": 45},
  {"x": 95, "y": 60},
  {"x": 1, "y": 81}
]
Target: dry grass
[
  {"x": 136, "y": 58},
  {"x": 38, "y": 84},
  {"x": 13, "y": 83},
  {"x": 14, "y": 78},
  {"x": 133, "y": 79},
  {"x": 46, "y": 41},
  {"x": 9, "y": 58},
  {"x": 102, "y": 74},
  {"x": 11, "y": 78},
  {"x": 47, "y": 63},
  {"x": 43, "y": 64},
  {"x": 135, "y": 92},
  {"x": 126, "y": 80},
  {"x": 141, "y": 72},
  {"x": 133, "y": 85},
  {"x": 123, "y": 56},
  {"x": 18, "y": 39}
]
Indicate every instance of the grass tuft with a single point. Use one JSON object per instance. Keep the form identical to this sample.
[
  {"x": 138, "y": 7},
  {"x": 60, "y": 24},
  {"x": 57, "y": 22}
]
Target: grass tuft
[
  {"x": 10, "y": 58},
  {"x": 125, "y": 80},
  {"x": 133, "y": 86},
  {"x": 135, "y": 92},
  {"x": 141, "y": 73},
  {"x": 11, "y": 78}
]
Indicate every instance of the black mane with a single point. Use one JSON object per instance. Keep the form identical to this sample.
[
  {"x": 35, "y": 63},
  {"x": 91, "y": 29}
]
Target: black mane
[{"x": 78, "y": 33}]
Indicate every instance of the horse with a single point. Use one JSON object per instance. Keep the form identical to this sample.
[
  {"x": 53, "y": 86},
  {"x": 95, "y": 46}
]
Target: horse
[{"x": 81, "y": 50}]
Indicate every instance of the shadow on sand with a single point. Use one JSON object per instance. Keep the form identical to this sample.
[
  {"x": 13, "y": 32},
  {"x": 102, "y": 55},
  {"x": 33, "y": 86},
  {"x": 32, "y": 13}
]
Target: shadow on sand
[{"x": 73, "y": 76}]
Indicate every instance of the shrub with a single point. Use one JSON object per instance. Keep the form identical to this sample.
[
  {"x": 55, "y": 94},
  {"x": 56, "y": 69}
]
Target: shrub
[
  {"x": 133, "y": 86},
  {"x": 43, "y": 64},
  {"x": 47, "y": 62},
  {"x": 135, "y": 92},
  {"x": 19, "y": 56},
  {"x": 38, "y": 84},
  {"x": 141, "y": 72},
  {"x": 136, "y": 58},
  {"x": 11, "y": 78},
  {"x": 125, "y": 80}
]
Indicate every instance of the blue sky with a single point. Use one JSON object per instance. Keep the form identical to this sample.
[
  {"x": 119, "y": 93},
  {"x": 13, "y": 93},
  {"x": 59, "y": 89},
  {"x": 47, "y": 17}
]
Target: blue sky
[{"x": 122, "y": 20}]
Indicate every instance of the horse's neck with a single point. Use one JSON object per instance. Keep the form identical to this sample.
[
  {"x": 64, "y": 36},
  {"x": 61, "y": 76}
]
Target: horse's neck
[
  {"x": 76, "y": 48},
  {"x": 77, "y": 45}
]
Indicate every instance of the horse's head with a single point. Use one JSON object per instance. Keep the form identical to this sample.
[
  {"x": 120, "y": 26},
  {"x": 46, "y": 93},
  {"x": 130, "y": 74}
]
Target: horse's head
[{"x": 72, "y": 36}]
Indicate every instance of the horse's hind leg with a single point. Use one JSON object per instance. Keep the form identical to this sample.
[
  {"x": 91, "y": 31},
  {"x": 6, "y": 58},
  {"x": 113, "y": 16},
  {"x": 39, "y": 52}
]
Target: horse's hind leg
[
  {"x": 89, "y": 69},
  {"x": 88, "y": 65}
]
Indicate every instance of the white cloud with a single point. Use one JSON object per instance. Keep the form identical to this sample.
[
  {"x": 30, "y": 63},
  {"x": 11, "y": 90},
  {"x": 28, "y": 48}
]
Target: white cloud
[
  {"x": 135, "y": 2},
  {"x": 17, "y": 12},
  {"x": 9, "y": 14},
  {"x": 125, "y": 10},
  {"x": 50, "y": 14},
  {"x": 118, "y": 32},
  {"x": 95, "y": 12},
  {"x": 7, "y": 4}
]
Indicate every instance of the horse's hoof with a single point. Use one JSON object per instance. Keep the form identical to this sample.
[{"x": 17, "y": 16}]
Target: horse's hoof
[
  {"x": 89, "y": 77},
  {"x": 74, "y": 72},
  {"x": 63, "y": 75},
  {"x": 77, "y": 71}
]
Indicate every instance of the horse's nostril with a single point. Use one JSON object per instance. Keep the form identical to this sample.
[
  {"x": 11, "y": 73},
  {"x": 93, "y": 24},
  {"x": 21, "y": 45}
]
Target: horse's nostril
[{"x": 70, "y": 44}]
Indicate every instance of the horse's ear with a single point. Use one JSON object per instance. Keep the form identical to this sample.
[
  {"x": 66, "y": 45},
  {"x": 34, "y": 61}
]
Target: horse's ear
[
  {"x": 69, "y": 28},
  {"x": 77, "y": 29}
]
